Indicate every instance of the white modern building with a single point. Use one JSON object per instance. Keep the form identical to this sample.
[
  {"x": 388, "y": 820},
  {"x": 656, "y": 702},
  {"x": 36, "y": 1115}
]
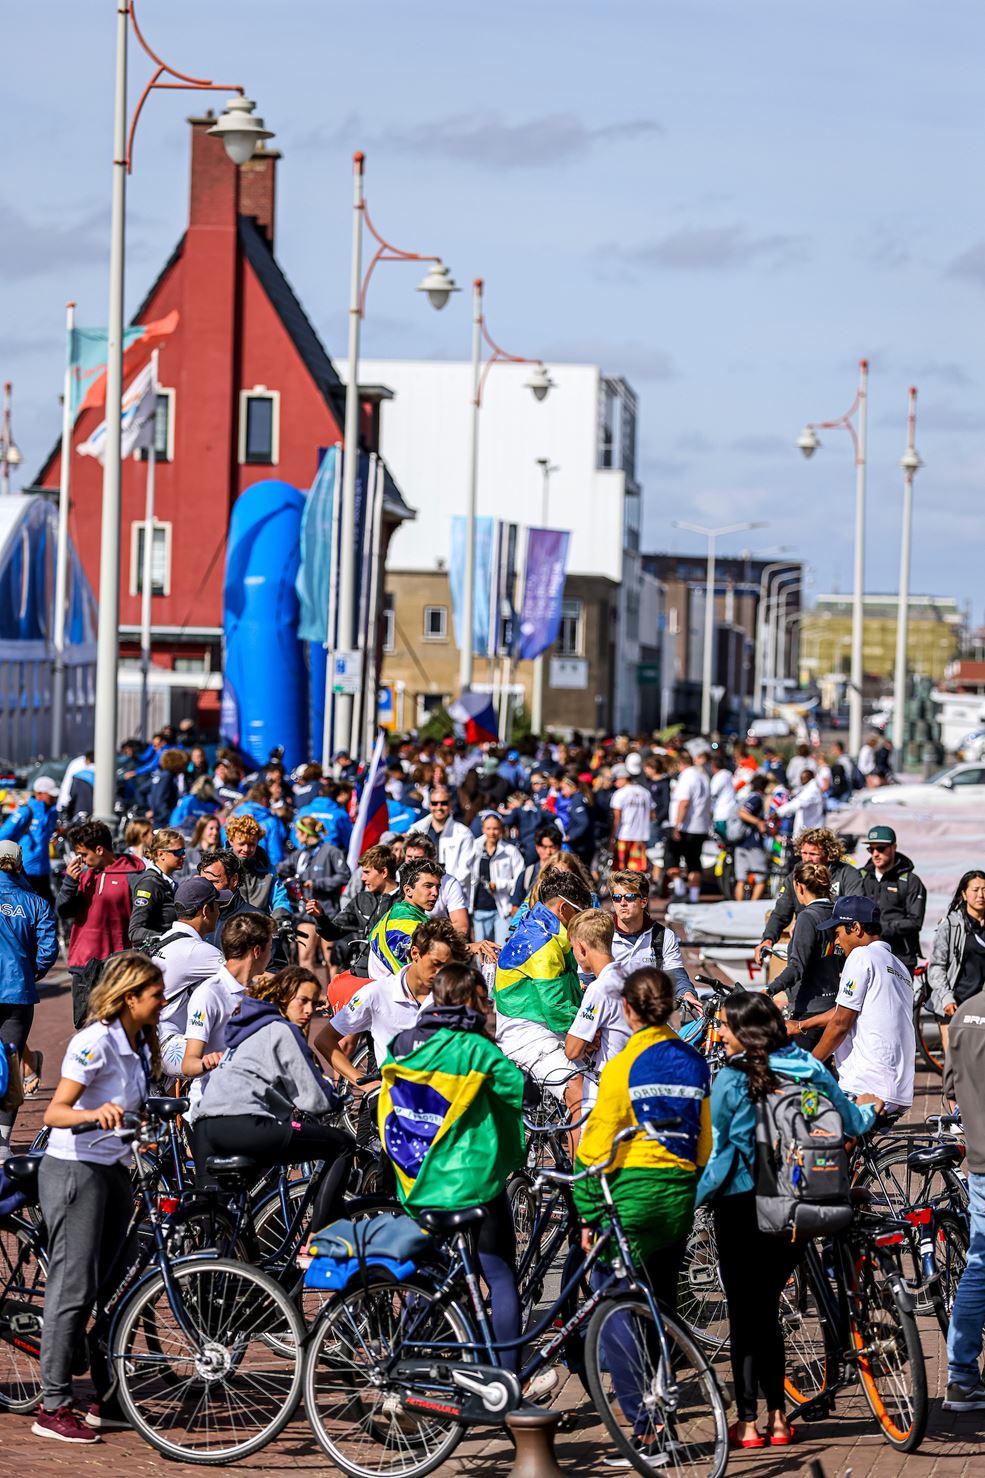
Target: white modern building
[{"x": 586, "y": 429}]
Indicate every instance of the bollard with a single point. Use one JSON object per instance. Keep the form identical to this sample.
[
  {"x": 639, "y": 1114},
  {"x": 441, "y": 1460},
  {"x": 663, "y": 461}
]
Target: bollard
[{"x": 532, "y": 1430}]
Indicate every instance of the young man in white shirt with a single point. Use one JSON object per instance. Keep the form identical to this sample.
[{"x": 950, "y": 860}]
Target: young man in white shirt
[
  {"x": 870, "y": 1030},
  {"x": 690, "y": 823},
  {"x": 807, "y": 805},
  {"x": 247, "y": 941},
  {"x": 600, "y": 1029},
  {"x": 631, "y": 806},
  {"x": 187, "y": 960},
  {"x": 388, "y": 1005},
  {"x": 638, "y": 940}
]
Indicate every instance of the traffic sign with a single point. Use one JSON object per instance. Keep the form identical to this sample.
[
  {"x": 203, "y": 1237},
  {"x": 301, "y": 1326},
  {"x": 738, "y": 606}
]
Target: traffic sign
[{"x": 347, "y": 672}]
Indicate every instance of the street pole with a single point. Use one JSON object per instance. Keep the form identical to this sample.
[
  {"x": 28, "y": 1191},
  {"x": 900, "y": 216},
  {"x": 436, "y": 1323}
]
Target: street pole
[
  {"x": 108, "y": 643},
  {"x": 58, "y": 675},
  {"x": 911, "y": 465},
  {"x": 709, "y": 634},
  {"x": 371, "y": 722},
  {"x": 7, "y": 443},
  {"x": 468, "y": 584},
  {"x": 329, "y": 730},
  {"x": 537, "y": 689},
  {"x": 758, "y": 693},
  {"x": 147, "y": 573},
  {"x": 858, "y": 592},
  {"x": 789, "y": 580},
  {"x": 344, "y": 707}
]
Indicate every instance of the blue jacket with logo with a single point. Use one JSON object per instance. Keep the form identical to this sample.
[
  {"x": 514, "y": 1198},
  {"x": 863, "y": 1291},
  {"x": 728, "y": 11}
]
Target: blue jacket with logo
[
  {"x": 338, "y": 827},
  {"x": 28, "y": 941},
  {"x": 32, "y": 826}
]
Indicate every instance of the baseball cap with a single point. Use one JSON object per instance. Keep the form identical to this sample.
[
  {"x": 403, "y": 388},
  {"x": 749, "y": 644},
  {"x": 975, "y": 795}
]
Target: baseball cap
[
  {"x": 853, "y": 909},
  {"x": 195, "y": 893},
  {"x": 634, "y": 764},
  {"x": 11, "y": 849},
  {"x": 880, "y": 835},
  {"x": 45, "y": 785},
  {"x": 620, "y": 772}
]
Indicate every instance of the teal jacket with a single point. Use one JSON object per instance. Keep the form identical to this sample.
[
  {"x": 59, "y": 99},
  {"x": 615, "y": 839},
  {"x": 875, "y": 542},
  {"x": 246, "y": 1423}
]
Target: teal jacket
[{"x": 733, "y": 1120}]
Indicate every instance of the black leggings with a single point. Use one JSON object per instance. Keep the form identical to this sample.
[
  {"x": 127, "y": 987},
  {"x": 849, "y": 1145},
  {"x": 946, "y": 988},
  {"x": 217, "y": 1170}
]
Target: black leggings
[
  {"x": 15, "y": 1025},
  {"x": 281, "y": 1142},
  {"x": 755, "y": 1269}
]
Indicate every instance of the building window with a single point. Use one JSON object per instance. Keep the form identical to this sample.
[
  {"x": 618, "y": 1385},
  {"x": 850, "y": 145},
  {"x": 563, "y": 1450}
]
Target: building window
[
  {"x": 259, "y": 425},
  {"x": 571, "y": 635},
  {"x": 435, "y": 623},
  {"x": 160, "y": 565},
  {"x": 190, "y": 664},
  {"x": 163, "y": 428},
  {"x": 389, "y": 618}
]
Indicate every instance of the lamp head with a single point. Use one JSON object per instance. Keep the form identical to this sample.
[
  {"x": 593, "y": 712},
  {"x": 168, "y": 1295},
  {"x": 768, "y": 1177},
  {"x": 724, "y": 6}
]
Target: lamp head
[
  {"x": 11, "y": 455},
  {"x": 439, "y": 285},
  {"x": 910, "y": 461},
  {"x": 540, "y": 381},
  {"x": 808, "y": 441},
  {"x": 239, "y": 130}
]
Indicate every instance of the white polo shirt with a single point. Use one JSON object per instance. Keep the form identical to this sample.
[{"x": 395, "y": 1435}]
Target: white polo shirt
[
  {"x": 450, "y": 898},
  {"x": 878, "y": 1054},
  {"x": 632, "y": 804},
  {"x": 186, "y": 963},
  {"x": 693, "y": 787},
  {"x": 210, "y": 1007},
  {"x": 383, "y": 1008},
  {"x": 101, "y": 1059},
  {"x": 601, "y": 1011}
]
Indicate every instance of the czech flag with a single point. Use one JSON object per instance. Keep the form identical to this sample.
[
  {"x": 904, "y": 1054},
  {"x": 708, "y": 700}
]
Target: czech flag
[
  {"x": 371, "y": 818},
  {"x": 476, "y": 712}
]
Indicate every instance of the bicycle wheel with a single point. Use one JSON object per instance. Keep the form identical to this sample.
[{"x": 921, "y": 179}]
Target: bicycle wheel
[
  {"x": 896, "y": 1187},
  {"x": 807, "y": 1365},
  {"x": 701, "y": 1305},
  {"x": 890, "y": 1356},
  {"x": 672, "y": 1419},
  {"x": 950, "y": 1259},
  {"x": 929, "y": 1044},
  {"x": 22, "y": 1278},
  {"x": 359, "y": 1417},
  {"x": 229, "y": 1390}
]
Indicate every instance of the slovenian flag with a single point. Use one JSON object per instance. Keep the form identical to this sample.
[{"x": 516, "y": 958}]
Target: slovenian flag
[
  {"x": 476, "y": 712},
  {"x": 371, "y": 818}
]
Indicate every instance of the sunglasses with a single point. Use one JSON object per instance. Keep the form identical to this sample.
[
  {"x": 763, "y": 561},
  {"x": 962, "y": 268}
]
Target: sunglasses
[
  {"x": 440, "y": 805},
  {"x": 175, "y": 851},
  {"x": 879, "y": 846},
  {"x": 625, "y": 897}
]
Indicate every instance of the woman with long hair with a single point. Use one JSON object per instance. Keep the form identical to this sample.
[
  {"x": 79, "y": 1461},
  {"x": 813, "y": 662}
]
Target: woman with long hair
[
  {"x": 84, "y": 1183},
  {"x": 295, "y": 991},
  {"x": 207, "y": 837},
  {"x": 810, "y": 980},
  {"x": 957, "y": 959},
  {"x": 754, "y": 1266}
]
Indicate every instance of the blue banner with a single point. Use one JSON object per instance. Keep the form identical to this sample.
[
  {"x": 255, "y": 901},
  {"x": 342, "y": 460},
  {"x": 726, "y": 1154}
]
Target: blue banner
[
  {"x": 314, "y": 574},
  {"x": 485, "y": 541},
  {"x": 543, "y": 591}
]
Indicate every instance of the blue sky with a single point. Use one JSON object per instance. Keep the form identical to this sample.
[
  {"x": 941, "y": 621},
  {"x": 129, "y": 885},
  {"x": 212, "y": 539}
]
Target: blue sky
[{"x": 727, "y": 203}]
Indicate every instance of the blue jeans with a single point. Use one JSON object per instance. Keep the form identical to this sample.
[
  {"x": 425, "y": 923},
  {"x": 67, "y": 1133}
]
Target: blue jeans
[
  {"x": 964, "y": 1338},
  {"x": 490, "y": 924}
]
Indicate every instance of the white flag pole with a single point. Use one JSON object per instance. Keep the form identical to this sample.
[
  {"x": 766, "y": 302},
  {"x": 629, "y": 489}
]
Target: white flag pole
[
  {"x": 148, "y": 568},
  {"x": 328, "y": 719},
  {"x": 61, "y": 555}
]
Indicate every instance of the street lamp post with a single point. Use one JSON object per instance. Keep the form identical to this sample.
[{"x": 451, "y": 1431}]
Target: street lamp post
[
  {"x": 808, "y": 442},
  {"x": 758, "y": 695},
  {"x": 438, "y": 285},
  {"x": 537, "y": 688},
  {"x": 239, "y": 130},
  {"x": 706, "y": 665},
  {"x": 539, "y": 383},
  {"x": 9, "y": 453},
  {"x": 790, "y": 581},
  {"x": 911, "y": 464}
]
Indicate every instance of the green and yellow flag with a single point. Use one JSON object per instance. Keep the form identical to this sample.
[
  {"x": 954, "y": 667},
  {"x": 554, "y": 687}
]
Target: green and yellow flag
[{"x": 536, "y": 975}]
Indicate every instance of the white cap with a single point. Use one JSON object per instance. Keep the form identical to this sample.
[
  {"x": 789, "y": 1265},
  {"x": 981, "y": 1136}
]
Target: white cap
[
  {"x": 11, "y": 849},
  {"x": 634, "y": 764},
  {"x": 620, "y": 772},
  {"x": 45, "y": 785}
]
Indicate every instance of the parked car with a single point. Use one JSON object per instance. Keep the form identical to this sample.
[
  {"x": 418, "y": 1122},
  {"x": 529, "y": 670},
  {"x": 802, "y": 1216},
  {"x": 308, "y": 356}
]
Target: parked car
[
  {"x": 768, "y": 728},
  {"x": 959, "y": 786},
  {"x": 972, "y": 746}
]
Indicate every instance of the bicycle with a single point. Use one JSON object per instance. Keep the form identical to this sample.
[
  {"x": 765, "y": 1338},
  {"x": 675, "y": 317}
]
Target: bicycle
[{"x": 398, "y": 1367}]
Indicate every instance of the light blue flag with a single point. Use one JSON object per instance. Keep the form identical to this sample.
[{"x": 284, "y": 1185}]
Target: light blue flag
[
  {"x": 87, "y": 358},
  {"x": 314, "y": 574},
  {"x": 485, "y": 541}
]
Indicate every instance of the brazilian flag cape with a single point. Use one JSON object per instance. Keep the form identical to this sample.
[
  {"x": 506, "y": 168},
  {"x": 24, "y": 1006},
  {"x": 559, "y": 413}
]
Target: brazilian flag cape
[
  {"x": 536, "y": 975},
  {"x": 390, "y": 940},
  {"x": 451, "y": 1120}
]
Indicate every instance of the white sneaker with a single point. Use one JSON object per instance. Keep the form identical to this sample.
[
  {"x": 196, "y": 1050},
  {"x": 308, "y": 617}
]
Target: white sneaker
[{"x": 542, "y": 1383}]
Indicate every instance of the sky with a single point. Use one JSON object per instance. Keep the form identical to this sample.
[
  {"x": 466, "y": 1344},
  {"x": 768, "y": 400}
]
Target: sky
[{"x": 728, "y": 204}]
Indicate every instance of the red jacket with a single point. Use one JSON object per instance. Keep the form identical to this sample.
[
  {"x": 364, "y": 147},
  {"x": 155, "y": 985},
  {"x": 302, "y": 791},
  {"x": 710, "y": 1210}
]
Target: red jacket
[{"x": 99, "y": 907}]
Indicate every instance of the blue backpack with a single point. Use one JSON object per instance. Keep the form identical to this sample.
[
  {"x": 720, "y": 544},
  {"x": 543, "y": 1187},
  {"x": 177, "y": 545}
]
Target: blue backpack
[{"x": 388, "y": 1243}]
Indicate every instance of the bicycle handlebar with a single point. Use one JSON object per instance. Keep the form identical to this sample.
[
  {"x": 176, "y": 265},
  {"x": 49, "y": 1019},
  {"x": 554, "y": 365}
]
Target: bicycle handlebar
[
  {"x": 553, "y": 1128},
  {"x": 651, "y": 1128}
]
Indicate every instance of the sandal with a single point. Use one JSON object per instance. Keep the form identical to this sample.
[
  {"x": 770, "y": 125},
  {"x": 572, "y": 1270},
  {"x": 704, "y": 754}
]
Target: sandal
[
  {"x": 733, "y": 1440},
  {"x": 783, "y": 1439},
  {"x": 32, "y": 1081}
]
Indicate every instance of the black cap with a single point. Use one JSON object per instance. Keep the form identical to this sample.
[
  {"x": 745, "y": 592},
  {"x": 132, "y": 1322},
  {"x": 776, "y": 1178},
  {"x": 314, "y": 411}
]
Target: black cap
[
  {"x": 853, "y": 909},
  {"x": 194, "y": 893}
]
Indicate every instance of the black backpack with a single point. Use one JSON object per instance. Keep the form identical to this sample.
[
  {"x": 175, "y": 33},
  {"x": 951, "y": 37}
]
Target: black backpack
[{"x": 801, "y": 1172}]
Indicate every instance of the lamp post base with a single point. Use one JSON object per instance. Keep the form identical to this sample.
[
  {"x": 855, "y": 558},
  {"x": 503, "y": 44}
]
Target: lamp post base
[{"x": 533, "y": 1432}]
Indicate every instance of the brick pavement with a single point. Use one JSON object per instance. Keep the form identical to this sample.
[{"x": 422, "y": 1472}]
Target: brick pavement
[{"x": 953, "y": 1448}]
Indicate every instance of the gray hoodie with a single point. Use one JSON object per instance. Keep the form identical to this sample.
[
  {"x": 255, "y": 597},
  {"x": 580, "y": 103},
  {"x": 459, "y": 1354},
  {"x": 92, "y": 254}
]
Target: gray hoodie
[
  {"x": 964, "y": 1075},
  {"x": 267, "y": 1070}
]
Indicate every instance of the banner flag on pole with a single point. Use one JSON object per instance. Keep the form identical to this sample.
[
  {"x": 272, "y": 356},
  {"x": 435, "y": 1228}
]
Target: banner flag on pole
[
  {"x": 543, "y": 591},
  {"x": 88, "y": 358},
  {"x": 315, "y": 569},
  {"x": 478, "y": 715},
  {"x": 138, "y": 414},
  {"x": 372, "y": 818},
  {"x": 483, "y": 591}
]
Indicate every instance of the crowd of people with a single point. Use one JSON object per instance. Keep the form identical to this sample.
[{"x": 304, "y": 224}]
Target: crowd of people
[{"x": 501, "y": 930}]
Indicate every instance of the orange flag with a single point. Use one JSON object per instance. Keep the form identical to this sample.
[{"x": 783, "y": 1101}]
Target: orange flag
[{"x": 134, "y": 359}]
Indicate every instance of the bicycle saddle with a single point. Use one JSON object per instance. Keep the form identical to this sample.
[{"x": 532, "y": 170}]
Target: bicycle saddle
[
  {"x": 228, "y": 1164},
  {"x": 442, "y": 1223},
  {"x": 23, "y": 1168},
  {"x": 935, "y": 1156},
  {"x": 166, "y": 1108}
]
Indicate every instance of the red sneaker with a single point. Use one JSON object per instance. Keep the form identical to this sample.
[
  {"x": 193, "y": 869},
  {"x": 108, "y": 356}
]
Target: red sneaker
[{"x": 64, "y": 1425}]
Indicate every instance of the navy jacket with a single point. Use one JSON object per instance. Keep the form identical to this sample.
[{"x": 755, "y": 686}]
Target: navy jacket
[
  {"x": 28, "y": 941},
  {"x": 32, "y": 825}
]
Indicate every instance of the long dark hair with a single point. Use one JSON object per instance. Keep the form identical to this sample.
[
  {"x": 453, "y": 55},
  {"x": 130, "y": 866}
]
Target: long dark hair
[
  {"x": 957, "y": 903},
  {"x": 756, "y": 1021}
]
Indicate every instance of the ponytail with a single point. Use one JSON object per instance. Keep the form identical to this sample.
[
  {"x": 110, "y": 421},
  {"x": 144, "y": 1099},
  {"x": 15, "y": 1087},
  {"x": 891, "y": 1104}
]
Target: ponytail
[{"x": 760, "y": 1029}]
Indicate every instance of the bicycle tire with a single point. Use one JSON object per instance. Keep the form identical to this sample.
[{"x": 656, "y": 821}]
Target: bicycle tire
[
  {"x": 933, "y": 1059},
  {"x": 807, "y": 1365},
  {"x": 888, "y": 1333},
  {"x": 245, "y": 1323},
  {"x": 337, "y": 1393},
  {"x": 950, "y": 1259},
  {"x": 701, "y": 1304},
  {"x": 22, "y": 1277},
  {"x": 697, "y": 1450},
  {"x": 898, "y": 1188}
]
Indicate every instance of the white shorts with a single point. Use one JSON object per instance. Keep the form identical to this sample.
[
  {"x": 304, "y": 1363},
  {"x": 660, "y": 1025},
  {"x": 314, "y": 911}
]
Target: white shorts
[{"x": 538, "y": 1051}]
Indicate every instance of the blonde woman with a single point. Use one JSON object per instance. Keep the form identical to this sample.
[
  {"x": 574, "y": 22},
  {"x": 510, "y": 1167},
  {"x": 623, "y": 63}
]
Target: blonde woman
[{"x": 86, "y": 1196}]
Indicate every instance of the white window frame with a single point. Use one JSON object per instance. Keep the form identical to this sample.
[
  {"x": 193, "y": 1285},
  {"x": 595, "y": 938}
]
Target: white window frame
[
  {"x": 167, "y": 392},
  {"x": 136, "y": 561},
  {"x": 441, "y": 635},
  {"x": 388, "y": 616},
  {"x": 579, "y": 645},
  {"x": 260, "y": 392}
]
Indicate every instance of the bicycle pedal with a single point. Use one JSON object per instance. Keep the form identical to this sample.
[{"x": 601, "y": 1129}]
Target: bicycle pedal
[{"x": 816, "y": 1410}]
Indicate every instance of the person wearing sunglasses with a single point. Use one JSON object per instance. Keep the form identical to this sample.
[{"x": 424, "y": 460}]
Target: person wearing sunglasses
[
  {"x": 640, "y": 943},
  {"x": 889, "y": 880},
  {"x": 454, "y": 841},
  {"x": 152, "y": 906}
]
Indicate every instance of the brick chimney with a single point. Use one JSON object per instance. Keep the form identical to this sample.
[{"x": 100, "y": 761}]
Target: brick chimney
[
  {"x": 220, "y": 190},
  {"x": 257, "y": 189}
]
